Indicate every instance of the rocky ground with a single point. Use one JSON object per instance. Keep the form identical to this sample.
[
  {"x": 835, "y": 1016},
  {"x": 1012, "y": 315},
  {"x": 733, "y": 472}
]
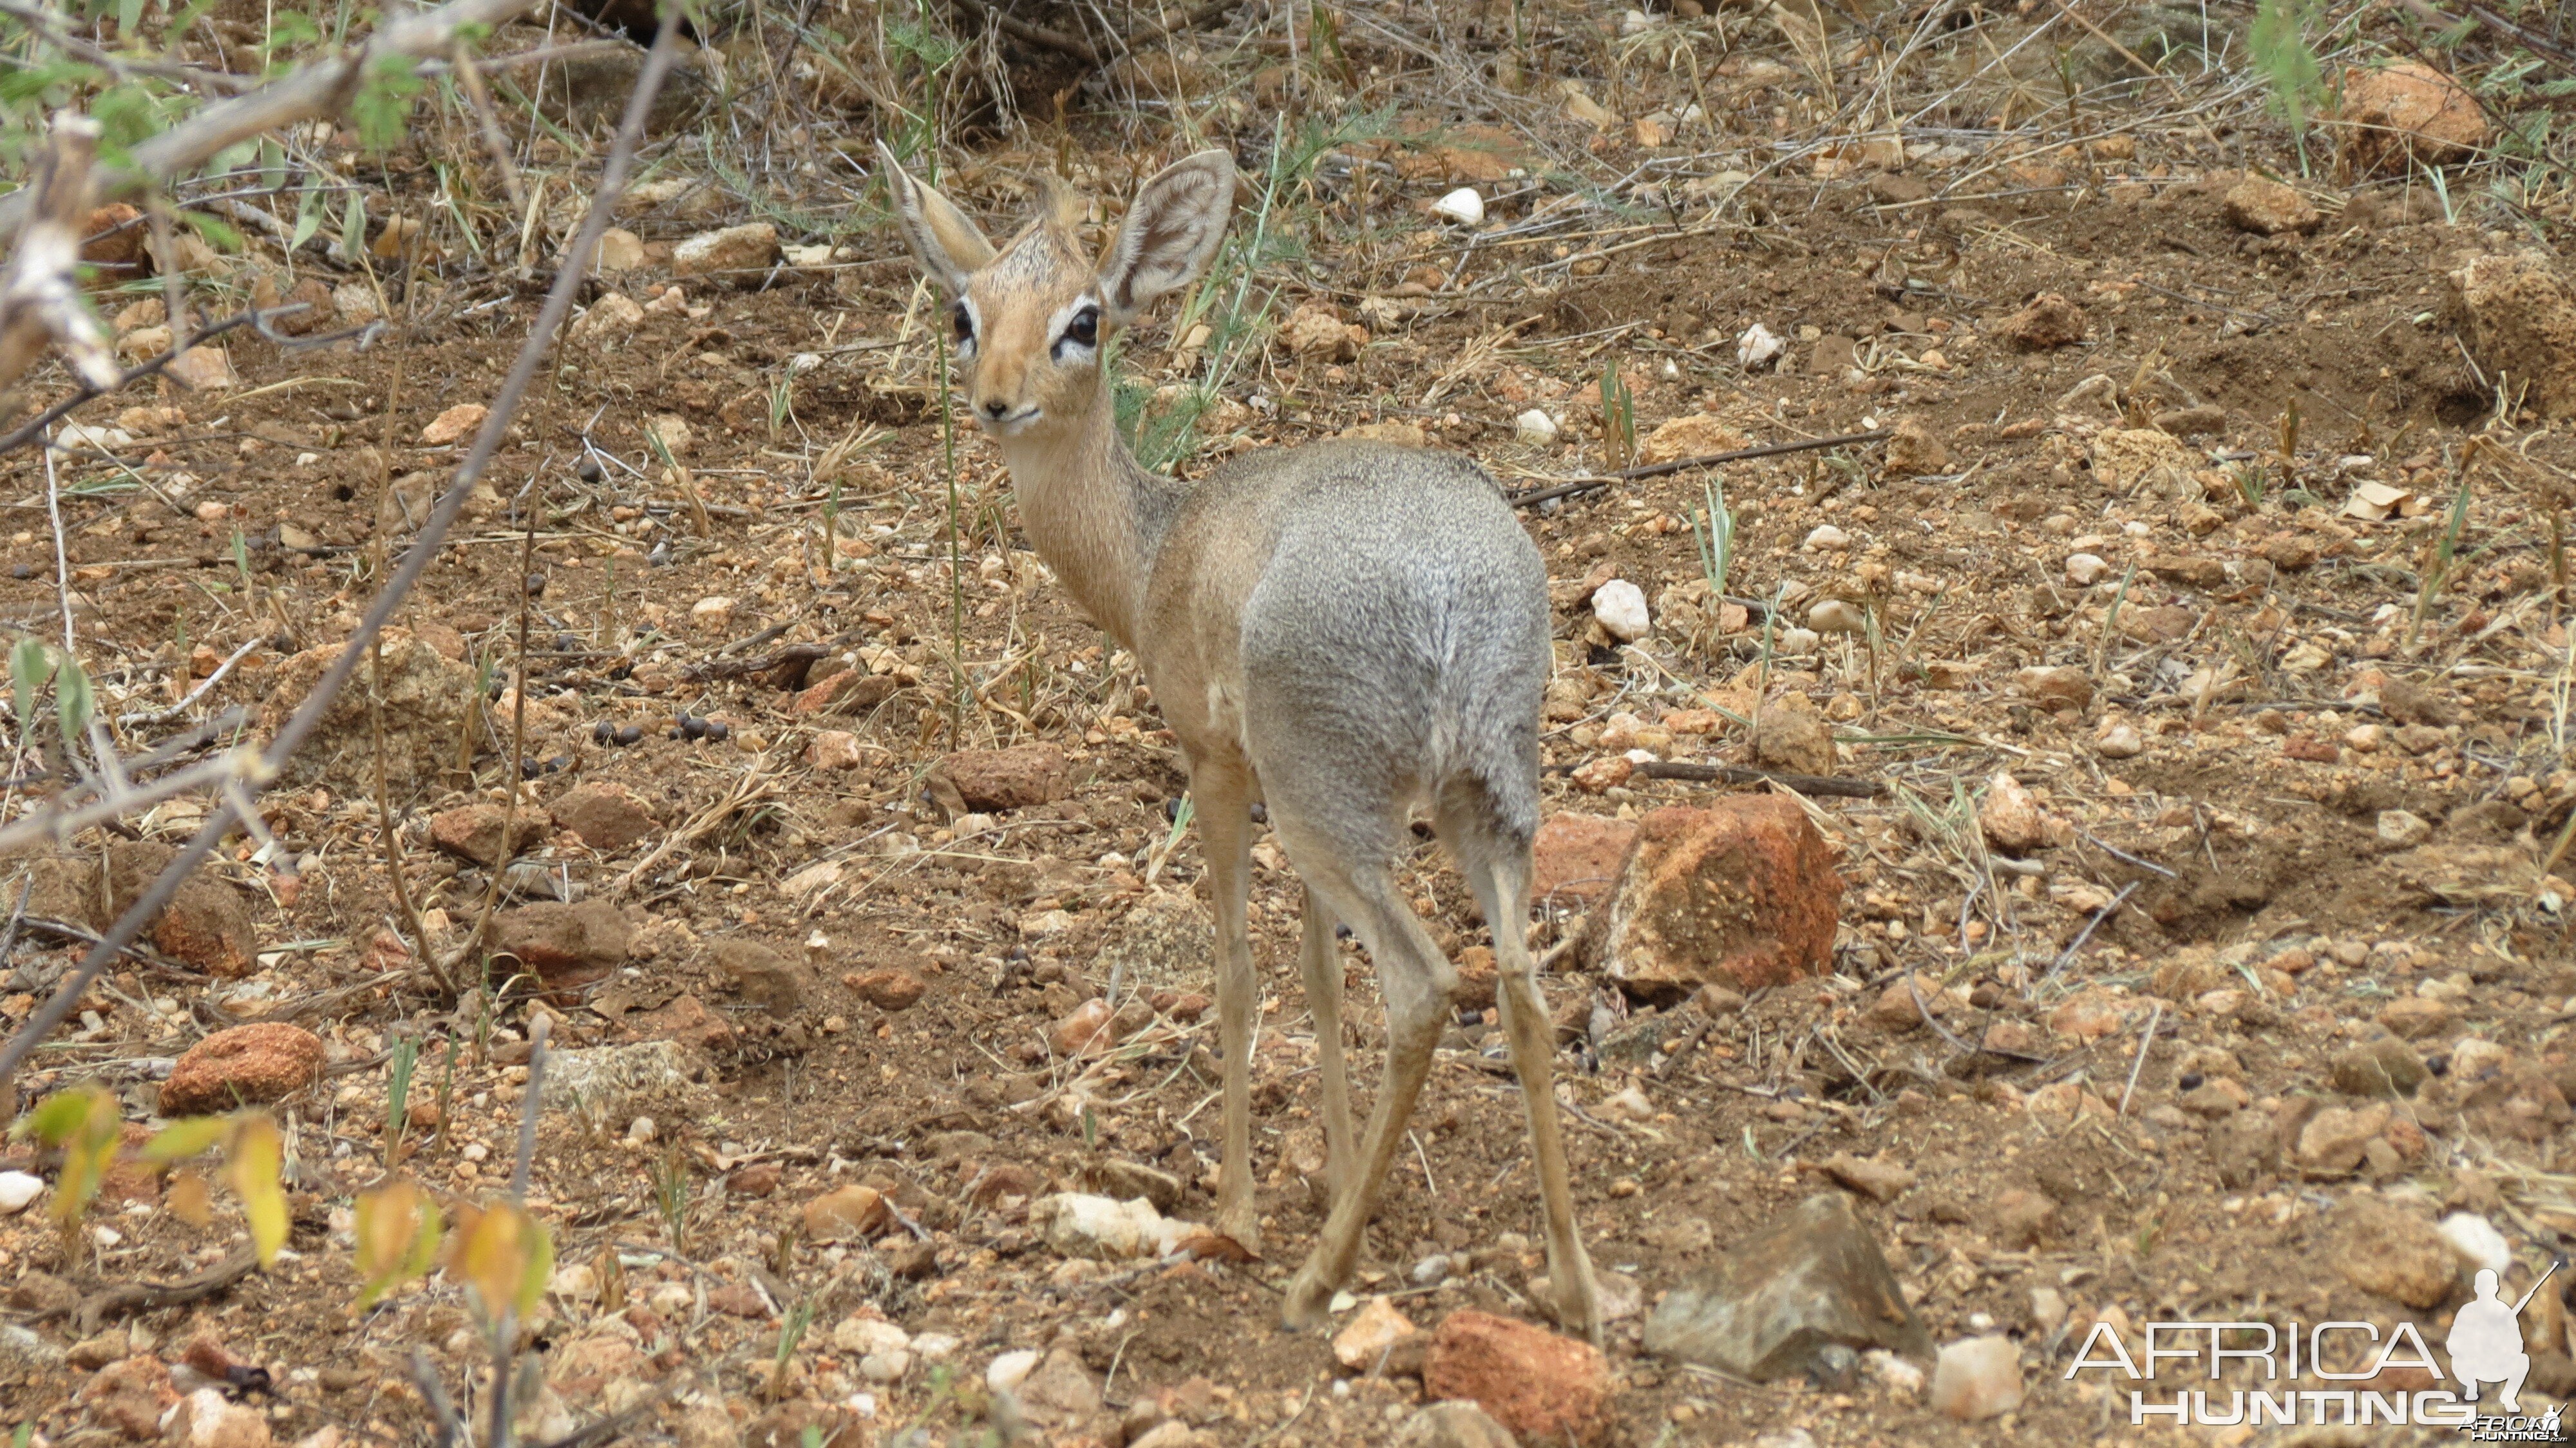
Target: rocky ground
[{"x": 2092, "y": 857}]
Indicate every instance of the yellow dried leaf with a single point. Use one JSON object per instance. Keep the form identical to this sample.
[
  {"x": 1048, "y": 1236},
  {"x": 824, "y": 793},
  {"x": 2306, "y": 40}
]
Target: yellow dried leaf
[
  {"x": 504, "y": 1254},
  {"x": 185, "y": 1138},
  {"x": 398, "y": 1232},
  {"x": 253, "y": 1167}
]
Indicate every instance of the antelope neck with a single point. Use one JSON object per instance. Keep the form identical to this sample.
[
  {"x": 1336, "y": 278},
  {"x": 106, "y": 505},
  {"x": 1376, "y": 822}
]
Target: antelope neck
[{"x": 1094, "y": 514}]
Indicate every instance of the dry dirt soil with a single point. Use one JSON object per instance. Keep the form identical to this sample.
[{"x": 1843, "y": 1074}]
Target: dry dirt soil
[{"x": 2316, "y": 789}]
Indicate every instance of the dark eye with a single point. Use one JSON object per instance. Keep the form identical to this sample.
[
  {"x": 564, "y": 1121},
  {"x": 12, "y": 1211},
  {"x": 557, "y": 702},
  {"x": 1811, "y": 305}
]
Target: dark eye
[
  {"x": 1084, "y": 329},
  {"x": 965, "y": 324}
]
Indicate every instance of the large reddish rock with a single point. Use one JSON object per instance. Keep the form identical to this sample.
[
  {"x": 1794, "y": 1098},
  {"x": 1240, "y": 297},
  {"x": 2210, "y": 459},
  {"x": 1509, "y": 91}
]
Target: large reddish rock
[
  {"x": 242, "y": 1066},
  {"x": 1742, "y": 893},
  {"x": 608, "y": 817},
  {"x": 2407, "y": 113},
  {"x": 1575, "y": 859},
  {"x": 2517, "y": 315},
  {"x": 566, "y": 945},
  {"x": 1544, "y": 1387},
  {"x": 987, "y": 779},
  {"x": 472, "y": 832},
  {"x": 207, "y": 924}
]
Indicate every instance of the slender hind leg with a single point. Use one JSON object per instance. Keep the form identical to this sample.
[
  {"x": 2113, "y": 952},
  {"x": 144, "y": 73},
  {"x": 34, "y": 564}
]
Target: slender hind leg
[
  {"x": 1497, "y": 867},
  {"x": 1220, "y": 790},
  {"x": 1417, "y": 982},
  {"x": 1321, "y": 965}
]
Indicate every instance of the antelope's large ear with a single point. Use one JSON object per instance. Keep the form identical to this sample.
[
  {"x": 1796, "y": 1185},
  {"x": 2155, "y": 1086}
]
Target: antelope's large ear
[
  {"x": 1170, "y": 234},
  {"x": 950, "y": 247}
]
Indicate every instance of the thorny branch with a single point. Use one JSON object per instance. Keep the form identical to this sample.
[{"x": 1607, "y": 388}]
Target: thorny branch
[
  {"x": 241, "y": 770},
  {"x": 319, "y": 89},
  {"x": 40, "y": 295}
]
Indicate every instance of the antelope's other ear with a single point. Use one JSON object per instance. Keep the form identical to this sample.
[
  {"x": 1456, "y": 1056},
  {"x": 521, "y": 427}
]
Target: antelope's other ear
[
  {"x": 1170, "y": 234},
  {"x": 950, "y": 247}
]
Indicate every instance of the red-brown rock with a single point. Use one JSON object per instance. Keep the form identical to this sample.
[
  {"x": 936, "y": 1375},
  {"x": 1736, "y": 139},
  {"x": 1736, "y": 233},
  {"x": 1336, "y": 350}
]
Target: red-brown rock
[
  {"x": 1742, "y": 893},
  {"x": 1575, "y": 859},
  {"x": 130, "y": 1396},
  {"x": 2049, "y": 322},
  {"x": 207, "y": 924},
  {"x": 566, "y": 945},
  {"x": 765, "y": 978},
  {"x": 847, "y": 692},
  {"x": 608, "y": 817},
  {"x": 116, "y": 241},
  {"x": 1546, "y": 1388},
  {"x": 242, "y": 1066},
  {"x": 2409, "y": 112},
  {"x": 1014, "y": 778},
  {"x": 2517, "y": 315},
  {"x": 889, "y": 990},
  {"x": 688, "y": 1021},
  {"x": 472, "y": 832}
]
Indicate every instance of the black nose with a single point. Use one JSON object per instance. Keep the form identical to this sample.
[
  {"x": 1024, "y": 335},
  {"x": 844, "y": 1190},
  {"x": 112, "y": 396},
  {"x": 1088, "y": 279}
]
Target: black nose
[{"x": 996, "y": 408}]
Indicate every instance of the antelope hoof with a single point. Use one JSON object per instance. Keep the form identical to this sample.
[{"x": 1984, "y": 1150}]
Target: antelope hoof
[
  {"x": 1578, "y": 1305},
  {"x": 1310, "y": 1296},
  {"x": 1242, "y": 1225}
]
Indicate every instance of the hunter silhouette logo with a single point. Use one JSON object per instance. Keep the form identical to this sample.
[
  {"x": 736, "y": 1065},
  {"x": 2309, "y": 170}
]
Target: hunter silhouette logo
[
  {"x": 2245, "y": 1373},
  {"x": 2486, "y": 1341}
]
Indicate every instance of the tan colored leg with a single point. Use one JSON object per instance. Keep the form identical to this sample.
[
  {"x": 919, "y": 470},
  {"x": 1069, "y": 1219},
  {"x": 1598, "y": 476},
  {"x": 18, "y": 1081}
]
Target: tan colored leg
[
  {"x": 1221, "y": 802},
  {"x": 1501, "y": 882},
  {"x": 1321, "y": 965},
  {"x": 1417, "y": 982}
]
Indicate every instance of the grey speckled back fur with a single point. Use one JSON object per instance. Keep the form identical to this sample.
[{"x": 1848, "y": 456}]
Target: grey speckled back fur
[{"x": 1397, "y": 643}]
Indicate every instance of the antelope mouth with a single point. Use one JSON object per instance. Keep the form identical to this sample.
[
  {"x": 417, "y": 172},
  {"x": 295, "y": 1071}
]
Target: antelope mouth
[{"x": 1010, "y": 422}]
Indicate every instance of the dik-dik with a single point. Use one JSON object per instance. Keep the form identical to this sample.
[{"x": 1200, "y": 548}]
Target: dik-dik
[{"x": 1340, "y": 630}]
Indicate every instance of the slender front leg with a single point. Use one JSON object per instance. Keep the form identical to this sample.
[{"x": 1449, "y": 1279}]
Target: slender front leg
[
  {"x": 1321, "y": 965},
  {"x": 1221, "y": 795}
]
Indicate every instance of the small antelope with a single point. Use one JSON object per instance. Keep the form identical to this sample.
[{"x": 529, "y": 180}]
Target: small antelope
[{"x": 1339, "y": 630}]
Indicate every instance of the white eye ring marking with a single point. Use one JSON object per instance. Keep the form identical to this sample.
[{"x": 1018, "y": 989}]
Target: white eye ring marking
[
  {"x": 965, "y": 346},
  {"x": 1064, "y": 348}
]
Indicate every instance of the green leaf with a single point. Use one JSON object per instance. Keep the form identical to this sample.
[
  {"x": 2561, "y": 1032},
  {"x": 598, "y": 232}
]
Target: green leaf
[
  {"x": 308, "y": 217},
  {"x": 59, "y": 1116},
  {"x": 353, "y": 226},
  {"x": 85, "y": 1123},
  {"x": 28, "y": 669},
  {"x": 73, "y": 701},
  {"x": 383, "y": 102},
  {"x": 254, "y": 1166},
  {"x": 217, "y": 232},
  {"x": 185, "y": 1138}
]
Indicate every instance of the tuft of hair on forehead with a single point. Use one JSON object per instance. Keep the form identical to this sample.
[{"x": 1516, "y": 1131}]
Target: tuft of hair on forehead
[
  {"x": 1060, "y": 207},
  {"x": 1054, "y": 227}
]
